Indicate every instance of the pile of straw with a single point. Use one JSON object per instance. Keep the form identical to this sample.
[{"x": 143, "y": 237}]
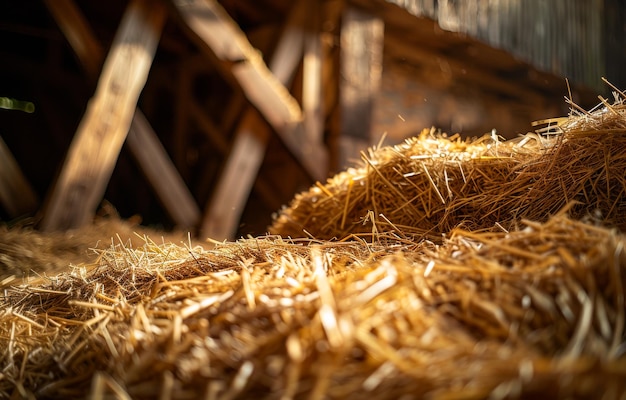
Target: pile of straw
[
  {"x": 537, "y": 311},
  {"x": 424, "y": 299},
  {"x": 26, "y": 254},
  {"x": 431, "y": 184}
]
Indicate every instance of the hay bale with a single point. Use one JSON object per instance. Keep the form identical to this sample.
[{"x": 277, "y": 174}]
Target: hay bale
[
  {"x": 536, "y": 311},
  {"x": 431, "y": 184}
]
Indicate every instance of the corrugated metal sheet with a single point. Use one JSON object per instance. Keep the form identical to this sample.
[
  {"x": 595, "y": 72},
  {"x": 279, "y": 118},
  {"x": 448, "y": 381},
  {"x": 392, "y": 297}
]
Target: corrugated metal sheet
[{"x": 565, "y": 37}]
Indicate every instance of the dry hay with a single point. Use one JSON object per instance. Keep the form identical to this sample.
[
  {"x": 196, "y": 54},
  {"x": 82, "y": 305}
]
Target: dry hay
[
  {"x": 537, "y": 311},
  {"x": 533, "y": 308},
  {"x": 26, "y": 254},
  {"x": 431, "y": 184}
]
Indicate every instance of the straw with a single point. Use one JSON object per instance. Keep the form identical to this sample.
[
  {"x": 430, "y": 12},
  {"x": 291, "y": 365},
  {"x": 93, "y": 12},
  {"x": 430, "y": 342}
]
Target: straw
[
  {"x": 464, "y": 270},
  {"x": 432, "y": 183},
  {"x": 482, "y": 314}
]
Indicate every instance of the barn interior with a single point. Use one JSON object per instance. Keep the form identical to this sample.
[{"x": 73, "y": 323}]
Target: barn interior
[
  {"x": 208, "y": 124},
  {"x": 466, "y": 68}
]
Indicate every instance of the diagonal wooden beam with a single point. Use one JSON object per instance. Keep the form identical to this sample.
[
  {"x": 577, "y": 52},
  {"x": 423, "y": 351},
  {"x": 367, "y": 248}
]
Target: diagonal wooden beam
[
  {"x": 16, "y": 194},
  {"x": 101, "y": 133},
  {"x": 142, "y": 140},
  {"x": 312, "y": 105},
  {"x": 224, "y": 210},
  {"x": 219, "y": 34},
  {"x": 362, "y": 37},
  {"x": 161, "y": 173}
]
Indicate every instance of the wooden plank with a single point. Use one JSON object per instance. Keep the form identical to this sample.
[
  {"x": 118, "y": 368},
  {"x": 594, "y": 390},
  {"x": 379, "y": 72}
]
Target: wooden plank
[
  {"x": 233, "y": 188},
  {"x": 288, "y": 52},
  {"x": 16, "y": 194},
  {"x": 219, "y": 34},
  {"x": 142, "y": 141},
  {"x": 212, "y": 25},
  {"x": 160, "y": 172},
  {"x": 312, "y": 77},
  {"x": 101, "y": 133},
  {"x": 361, "y": 70},
  {"x": 224, "y": 210}
]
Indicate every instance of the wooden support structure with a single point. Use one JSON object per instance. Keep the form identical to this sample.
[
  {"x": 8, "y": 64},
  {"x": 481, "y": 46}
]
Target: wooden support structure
[
  {"x": 303, "y": 136},
  {"x": 337, "y": 95},
  {"x": 101, "y": 133},
  {"x": 312, "y": 106},
  {"x": 142, "y": 140},
  {"x": 214, "y": 28},
  {"x": 226, "y": 205},
  {"x": 233, "y": 189},
  {"x": 16, "y": 194},
  {"x": 361, "y": 69},
  {"x": 163, "y": 177}
]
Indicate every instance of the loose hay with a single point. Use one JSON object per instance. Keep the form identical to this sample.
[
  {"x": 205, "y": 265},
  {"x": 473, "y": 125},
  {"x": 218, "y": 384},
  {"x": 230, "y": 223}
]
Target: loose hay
[
  {"x": 431, "y": 184},
  {"x": 425, "y": 299},
  {"x": 537, "y": 311},
  {"x": 26, "y": 254}
]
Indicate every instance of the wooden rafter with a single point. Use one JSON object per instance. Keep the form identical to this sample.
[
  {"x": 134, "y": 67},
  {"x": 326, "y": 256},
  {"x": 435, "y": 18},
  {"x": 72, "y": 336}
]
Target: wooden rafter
[
  {"x": 361, "y": 69},
  {"x": 142, "y": 140},
  {"x": 161, "y": 174},
  {"x": 219, "y": 34},
  {"x": 101, "y": 133},
  {"x": 312, "y": 105},
  {"x": 16, "y": 194},
  {"x": 233, "y": 189}
]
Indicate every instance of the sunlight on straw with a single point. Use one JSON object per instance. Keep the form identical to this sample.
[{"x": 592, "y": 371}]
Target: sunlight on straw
[{"x": 327, "y": 308}]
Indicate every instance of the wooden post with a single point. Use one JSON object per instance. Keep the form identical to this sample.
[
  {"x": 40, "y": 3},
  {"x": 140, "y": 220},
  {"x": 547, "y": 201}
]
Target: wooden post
[
  {"x": 16, "y": 195},
  {"x": 101, "y": 133},
  {"x": 312, "y": 106},
  {"x": 361, "y": 70}
]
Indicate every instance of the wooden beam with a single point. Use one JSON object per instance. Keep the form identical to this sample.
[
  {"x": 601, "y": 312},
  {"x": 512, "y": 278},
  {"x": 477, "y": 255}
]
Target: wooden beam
[
  {"x": 312, "y": 105},
  {"x": 224, "y": 210},
  {"x": 214, "y": 28},
  {"x": 149, "y": 151},
  {"x": 101, "y": 133},
  {"x": 361, "y": 70},
  {"x": 16, "y": 194},
  {"x": 142, "y": 141},
  {"x": 233, "y": 189},
  {"x": 218, "y": 33}
]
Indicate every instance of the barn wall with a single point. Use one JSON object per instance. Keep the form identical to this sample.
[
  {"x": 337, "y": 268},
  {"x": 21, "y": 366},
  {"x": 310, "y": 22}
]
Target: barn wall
[
  {"x": 564, "y": 37},
  {"x": 414, "y": 97}
]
